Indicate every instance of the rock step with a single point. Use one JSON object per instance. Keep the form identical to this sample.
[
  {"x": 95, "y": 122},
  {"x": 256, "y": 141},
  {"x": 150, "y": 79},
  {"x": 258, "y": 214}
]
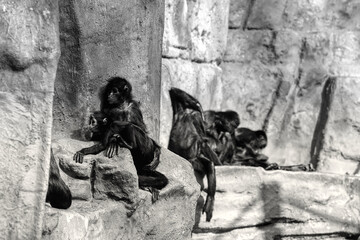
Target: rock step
[{"x": 255, "y": 204}]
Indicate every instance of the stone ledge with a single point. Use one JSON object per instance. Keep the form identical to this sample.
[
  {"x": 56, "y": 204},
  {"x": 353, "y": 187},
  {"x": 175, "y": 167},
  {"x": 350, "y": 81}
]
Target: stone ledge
[
  {"x": 172, "y": 216},
  {"x": 252, "y": 203}
]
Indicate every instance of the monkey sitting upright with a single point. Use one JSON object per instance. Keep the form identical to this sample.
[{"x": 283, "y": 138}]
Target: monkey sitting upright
[
  {"x": 219, "y": 128},
  {"x": 121, "y": 124}
]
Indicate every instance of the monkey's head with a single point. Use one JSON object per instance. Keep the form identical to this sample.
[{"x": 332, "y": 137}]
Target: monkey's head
[
  {"x": 227, "y": 121},
  {"x": 256, "y": 139},
  {"x": 96, "y": 126},
  {"x": 181, "y": 100},
  {"x": 260, "y": 140},
  {"x": 117, "y": 91}
]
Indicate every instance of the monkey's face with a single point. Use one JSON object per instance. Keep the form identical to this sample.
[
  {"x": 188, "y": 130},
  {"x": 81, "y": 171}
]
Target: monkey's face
[
  {"x": 117, "y": 91},
  {"x": 114, "y": 96},
  {"x": 259, "y": 143}
]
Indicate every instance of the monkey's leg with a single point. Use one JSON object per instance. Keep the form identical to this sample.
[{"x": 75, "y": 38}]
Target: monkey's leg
[
  {"x": 227, "y": 152},
  {"x": 95, "y": 149},
  {"x": 152, "y": 181},
  {"x": 209, "y": 169}
]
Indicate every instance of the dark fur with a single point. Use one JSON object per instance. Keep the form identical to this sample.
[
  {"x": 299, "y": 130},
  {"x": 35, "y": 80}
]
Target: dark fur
[
  {"x": 248, "y": 151},
  {"x": 187, "y": 139},
  {"x": 125, "y": 127},
  {"x": 249, "y": 144},
  {"x": 219, "y": 128},
  {"x": 58, "y": 194},
  {"x": 98, "y": 123}
]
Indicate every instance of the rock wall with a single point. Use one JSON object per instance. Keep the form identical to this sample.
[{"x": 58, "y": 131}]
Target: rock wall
[
  {"x": 291, "y": 68},
  {"x": 108, "y": 203},
  {"x": 255, "y": 204},
  {"x": 29, "y": 53},
  {"x": 194, "y": 44},
  {"x": 101, "y": 39}
]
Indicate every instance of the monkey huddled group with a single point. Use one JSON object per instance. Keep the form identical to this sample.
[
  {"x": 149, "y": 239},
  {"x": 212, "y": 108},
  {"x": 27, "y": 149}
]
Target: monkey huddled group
[{"x": 204, "y": 138}]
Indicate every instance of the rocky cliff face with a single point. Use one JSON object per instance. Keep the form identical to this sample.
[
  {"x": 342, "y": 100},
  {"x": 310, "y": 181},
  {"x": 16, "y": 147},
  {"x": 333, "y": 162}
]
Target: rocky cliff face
[
  {"x": 290, "y": 68},
  {"x": 29, "y": 53},
  {"x": 293, "y": 68}
]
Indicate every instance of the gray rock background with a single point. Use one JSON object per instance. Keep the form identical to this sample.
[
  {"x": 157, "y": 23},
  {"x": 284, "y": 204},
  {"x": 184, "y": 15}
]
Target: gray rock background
[
  {"x": 102, "y": 39},
  {"x": 194, "y": 43},
  {"x": 288, "y": 67}
]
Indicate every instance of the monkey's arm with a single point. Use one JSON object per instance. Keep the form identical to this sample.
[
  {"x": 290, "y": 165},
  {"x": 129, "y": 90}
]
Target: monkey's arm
[
  {"x": 227, "y": 150},
  {"x": 95, "y": 149},
  {"x": 208, "y": 153}
]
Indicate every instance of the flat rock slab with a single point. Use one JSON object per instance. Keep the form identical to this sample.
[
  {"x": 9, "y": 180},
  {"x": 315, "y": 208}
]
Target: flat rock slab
[{"x": 251, "y": 203}]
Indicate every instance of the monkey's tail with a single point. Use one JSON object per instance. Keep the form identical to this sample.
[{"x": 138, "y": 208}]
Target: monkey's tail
[{"x": 58, "y": 194}]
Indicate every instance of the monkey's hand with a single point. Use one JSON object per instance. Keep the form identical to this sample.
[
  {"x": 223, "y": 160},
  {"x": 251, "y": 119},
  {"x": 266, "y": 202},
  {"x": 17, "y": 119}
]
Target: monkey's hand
[
  {"x": 78, "y": 157},
  {"x": 112, "y": 149},
  {"x": 272, "y": 166}
]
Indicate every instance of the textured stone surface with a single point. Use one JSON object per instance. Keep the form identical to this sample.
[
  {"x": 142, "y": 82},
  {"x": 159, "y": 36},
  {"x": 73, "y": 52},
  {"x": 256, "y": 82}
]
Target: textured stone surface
[
  {"x": 176, "y": 29},
  {"x": 253, "y": 78},
  {"x": 208, "y": 23},
  {"x": 266, "y": 14},
  {"x": 340, "y": 151},
  {"x": 318, "y": 14},
  {"x": 238, "y": 13},
  {"x": 115, "y": 192},
  {"x": 29, "y": 52},
  {"x": 202, "y": 81},
  {"x": 195, "y": 30},
  {"x": 102, "y": 39},
  {"x": 276, "y": 81},
  {"x": 254, "y": 204},
  {"x": 115, "y": 178}
]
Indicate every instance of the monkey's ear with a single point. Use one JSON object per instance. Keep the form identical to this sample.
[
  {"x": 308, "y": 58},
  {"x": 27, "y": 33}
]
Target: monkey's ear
[{"x": 127, "y": 88}]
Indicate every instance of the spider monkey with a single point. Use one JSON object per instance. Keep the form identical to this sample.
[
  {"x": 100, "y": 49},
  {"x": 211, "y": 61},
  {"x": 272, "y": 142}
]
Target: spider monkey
[
  {"x": 248, "y": 151},
  {"x": 187, "y": 139},
  {"x": 120, "y": 124},
  {"x": 249, "y": 144},
  {"x": 219, "y": 128},
  {"x": 58, "y": 193}
]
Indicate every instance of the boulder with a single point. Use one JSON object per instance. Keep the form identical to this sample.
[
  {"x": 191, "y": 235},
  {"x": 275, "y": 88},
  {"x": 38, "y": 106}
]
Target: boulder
[{"x": 119, "y": 209}]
